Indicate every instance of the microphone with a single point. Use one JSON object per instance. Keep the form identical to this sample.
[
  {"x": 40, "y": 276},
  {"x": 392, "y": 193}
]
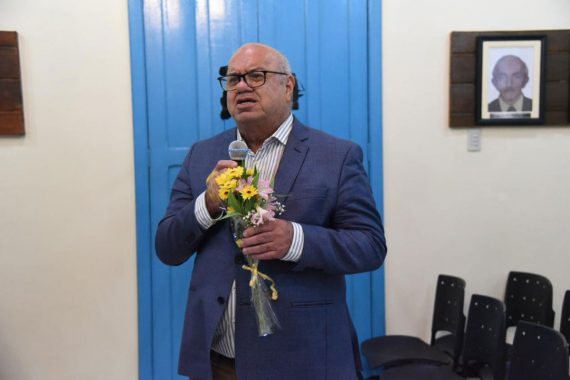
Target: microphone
[{"x": 238, "y": 151}]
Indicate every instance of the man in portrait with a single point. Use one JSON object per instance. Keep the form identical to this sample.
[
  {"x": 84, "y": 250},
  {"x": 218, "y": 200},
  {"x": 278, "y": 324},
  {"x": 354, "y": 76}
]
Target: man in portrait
[{"x": 510, "y": 76}]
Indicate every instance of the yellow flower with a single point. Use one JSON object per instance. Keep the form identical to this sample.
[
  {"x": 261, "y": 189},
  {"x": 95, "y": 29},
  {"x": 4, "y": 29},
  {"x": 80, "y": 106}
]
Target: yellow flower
[
  {"x": 250, "y": 172},
  {"x": 229, "y": 185},
  {"x": 236, "y": 172},
  {"x": 223, "y": 193},
  {"x": 222, "y": 178},
  {"x": 248, "y": 191}
]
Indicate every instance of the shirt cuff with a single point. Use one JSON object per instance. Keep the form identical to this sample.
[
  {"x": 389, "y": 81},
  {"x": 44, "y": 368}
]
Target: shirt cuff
[
  {"x": 201, "y": 211},
  {"x": 296, "y": 249}
]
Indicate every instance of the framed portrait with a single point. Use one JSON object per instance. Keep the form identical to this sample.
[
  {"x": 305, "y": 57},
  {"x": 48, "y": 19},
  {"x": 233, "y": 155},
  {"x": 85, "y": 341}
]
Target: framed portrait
[{"x": 510, "y": 80}]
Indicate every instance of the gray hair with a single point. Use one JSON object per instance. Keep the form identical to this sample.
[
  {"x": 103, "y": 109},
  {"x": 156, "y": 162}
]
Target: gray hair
[{"x": 284, "y": 62}]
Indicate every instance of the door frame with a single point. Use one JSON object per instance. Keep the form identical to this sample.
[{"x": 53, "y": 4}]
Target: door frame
[{"x": 142, "y": 188}]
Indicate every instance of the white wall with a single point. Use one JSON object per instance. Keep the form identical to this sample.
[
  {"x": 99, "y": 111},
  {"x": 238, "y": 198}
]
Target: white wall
[
  {"x": 475, "y": 215},
  {"x": 67, "y": 222}
]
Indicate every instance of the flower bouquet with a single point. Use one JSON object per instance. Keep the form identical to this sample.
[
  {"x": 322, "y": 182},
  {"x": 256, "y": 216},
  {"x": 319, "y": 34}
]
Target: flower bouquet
[{"x": 250, "y": 202}]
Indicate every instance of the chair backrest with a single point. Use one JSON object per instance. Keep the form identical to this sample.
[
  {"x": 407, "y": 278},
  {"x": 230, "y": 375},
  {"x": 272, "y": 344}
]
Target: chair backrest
[
  {"x": 448, "y": 313},
  {"x": 539, "y": 352},
  {"x": 484, "y": 340},
  {"x": 529, "y": 298},
  {"x": 565, "y": 317}
]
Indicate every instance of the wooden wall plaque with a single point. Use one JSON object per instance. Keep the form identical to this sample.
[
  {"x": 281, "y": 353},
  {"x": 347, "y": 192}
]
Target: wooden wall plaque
[
  {"x": 11, "y": 107},
  {"x": 463, "y": 64}
]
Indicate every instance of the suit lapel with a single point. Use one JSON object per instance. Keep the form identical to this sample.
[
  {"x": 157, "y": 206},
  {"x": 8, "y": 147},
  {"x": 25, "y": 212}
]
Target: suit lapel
[
  {"x": 292, "y": 159},
  {"x": 223, "y": 144}
]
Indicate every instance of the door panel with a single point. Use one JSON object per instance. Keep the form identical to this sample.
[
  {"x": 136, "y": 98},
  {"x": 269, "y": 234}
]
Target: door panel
[{"x": 177, "y": 47}]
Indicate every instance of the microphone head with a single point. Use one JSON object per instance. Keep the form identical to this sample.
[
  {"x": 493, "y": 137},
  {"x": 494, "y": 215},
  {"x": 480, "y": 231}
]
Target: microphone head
[{"x": 237, "y": 150}]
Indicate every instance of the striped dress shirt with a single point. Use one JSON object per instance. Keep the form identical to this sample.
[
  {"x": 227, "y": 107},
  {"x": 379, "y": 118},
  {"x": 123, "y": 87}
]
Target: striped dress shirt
[{"x": 266, "y": 159}]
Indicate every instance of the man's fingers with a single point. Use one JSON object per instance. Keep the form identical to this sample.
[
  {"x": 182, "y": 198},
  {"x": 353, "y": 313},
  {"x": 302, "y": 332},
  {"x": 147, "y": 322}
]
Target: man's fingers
[
  {"x": 220, "y": 166},
  {"x": 270, "y": 240},
  {"x": 252, "y": 231},
  {"x": 257, "y": 249},
  {"x": 224, "y": 164},
  {"x": 213, "y": 201},
  {"x": 211, "y": 176},
  {"x": 257, "y": 239}
]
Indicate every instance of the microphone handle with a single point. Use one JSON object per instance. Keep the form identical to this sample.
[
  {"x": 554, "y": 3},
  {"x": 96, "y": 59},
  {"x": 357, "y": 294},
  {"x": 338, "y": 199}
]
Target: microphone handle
[{"x": 240, "y": 163}]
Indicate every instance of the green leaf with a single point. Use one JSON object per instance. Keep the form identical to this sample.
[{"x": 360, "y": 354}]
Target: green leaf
[
  {"x": 234, "y": 203},
  {"x": 250, "y": 204},
  {"x": 255, "y": 178},
  {"x": 231, "y": 215}
]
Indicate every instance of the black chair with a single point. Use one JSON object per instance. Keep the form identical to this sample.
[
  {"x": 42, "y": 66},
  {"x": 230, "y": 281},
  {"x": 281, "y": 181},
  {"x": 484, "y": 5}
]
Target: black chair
[
  {"x": 565, "y": 317},
  {"x": 483, "y": 354},
  {"x": 529, "y": 298},
  {"x": 420, "y": 372},
  {"x": 448, "y": 318},
  {"x": 539, "y": 352}
]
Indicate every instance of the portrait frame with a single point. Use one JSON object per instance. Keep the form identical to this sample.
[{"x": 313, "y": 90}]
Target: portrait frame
[{"x": 504, "y": 96}]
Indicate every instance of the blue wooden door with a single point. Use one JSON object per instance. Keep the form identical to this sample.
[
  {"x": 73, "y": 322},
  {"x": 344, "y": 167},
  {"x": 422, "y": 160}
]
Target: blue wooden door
[{"x": 176, "y": 48}]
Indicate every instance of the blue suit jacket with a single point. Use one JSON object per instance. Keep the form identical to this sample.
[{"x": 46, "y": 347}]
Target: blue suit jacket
[{"x": 330, "y": 196}]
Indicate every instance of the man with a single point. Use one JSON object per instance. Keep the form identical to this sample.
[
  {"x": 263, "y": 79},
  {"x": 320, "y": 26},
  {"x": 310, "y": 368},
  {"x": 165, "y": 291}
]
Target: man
[
  {"x": 330, "y": 228},
  {"x": 510, "y": 76}
]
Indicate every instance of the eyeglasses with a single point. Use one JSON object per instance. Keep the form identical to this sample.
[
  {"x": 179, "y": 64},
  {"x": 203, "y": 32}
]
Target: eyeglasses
[{"x": 253, "y": 79}]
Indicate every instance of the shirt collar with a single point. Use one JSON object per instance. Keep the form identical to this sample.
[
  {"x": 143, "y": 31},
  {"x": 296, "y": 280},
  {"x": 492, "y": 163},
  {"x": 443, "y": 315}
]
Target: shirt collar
[
  {"x": 518, "y": 104},
  {"x": 281, "y": 134}
]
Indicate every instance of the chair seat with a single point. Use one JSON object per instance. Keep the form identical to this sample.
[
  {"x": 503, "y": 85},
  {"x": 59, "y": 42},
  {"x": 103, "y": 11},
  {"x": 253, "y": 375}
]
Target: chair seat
[
  {"x": 395, "y": 350},
  {"x": 420, "y": 372}
]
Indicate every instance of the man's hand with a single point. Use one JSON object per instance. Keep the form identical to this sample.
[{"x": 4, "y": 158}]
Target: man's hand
[
  {"x": 213, "y": 201},
  {"x": 269, "y": 241}
]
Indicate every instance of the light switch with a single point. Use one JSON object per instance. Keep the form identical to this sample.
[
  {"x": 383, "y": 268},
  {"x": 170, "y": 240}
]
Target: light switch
[{"x": 474, "y": 139}]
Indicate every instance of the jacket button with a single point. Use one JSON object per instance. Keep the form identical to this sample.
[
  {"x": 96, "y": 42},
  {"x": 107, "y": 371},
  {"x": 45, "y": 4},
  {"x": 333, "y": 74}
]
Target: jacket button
[
  {"x": 239, "y": 260},
  {"x": 221, "y": 300}
]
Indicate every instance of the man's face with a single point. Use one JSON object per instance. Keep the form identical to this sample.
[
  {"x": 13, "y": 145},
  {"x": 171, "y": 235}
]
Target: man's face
[
  {"x": 509, "y": 78},
  {"x": 269, "y": 104}
]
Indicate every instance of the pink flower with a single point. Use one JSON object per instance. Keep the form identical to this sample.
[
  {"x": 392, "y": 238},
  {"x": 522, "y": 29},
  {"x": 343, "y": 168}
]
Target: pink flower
[
  {"x": 243, "y": 183},
  {"x": 264, "y": 189},
  {"x": 261, "y": 216}
]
